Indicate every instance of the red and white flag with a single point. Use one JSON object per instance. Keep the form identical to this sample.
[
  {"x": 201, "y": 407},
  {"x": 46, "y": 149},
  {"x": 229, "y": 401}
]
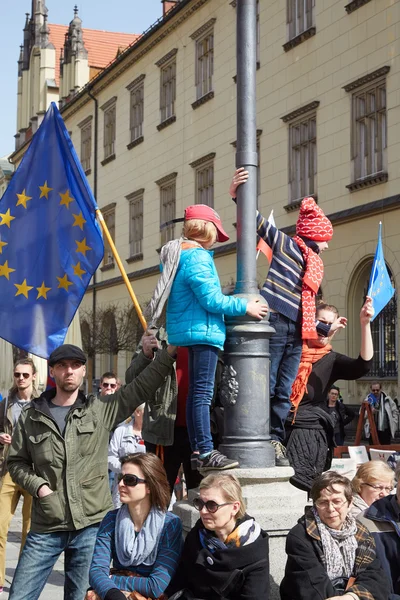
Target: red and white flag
[{"x": 262, "y": 245}]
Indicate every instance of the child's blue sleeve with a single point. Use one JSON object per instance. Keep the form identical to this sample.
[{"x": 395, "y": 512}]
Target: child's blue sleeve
[{"x": 201, "y": 276}]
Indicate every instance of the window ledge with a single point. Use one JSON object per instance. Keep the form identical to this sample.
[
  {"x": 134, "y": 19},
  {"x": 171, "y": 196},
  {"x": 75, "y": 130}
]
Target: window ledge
[
  {"x": 166, "y": 122},
  {"x": 107, "y": 267},
  {"x": 88, "y": 171},
  {"x": 108, "y": 159},
  {"x": 135, "y": 258},
  {"x": 292, "y": 206},
  {"x": 136, "y": 142},
  {"x": 369, "y": 181},
  {"x": 203, "y": 100},
  {"x": 299, "y": 39},
  {"x": 352, "y": 6}
]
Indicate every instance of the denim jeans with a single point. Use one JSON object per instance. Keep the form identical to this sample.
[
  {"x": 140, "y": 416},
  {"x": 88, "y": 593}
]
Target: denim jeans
[
  {"x": 202, "y": 366},
  {"x": 285, "y": 349},
  {"x": 39, "y": 556}
]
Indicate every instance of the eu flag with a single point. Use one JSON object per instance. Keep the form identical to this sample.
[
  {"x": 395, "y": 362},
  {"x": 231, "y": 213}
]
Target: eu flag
[
  {"x": 380, "y": 287},
  {"x": 50, "y": 241}
]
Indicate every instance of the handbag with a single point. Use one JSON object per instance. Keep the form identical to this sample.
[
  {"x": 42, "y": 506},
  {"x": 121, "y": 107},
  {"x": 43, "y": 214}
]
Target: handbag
[{"x": 92, "y": 595}]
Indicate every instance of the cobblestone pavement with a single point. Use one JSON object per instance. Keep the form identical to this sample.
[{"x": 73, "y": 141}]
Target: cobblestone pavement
[{"x": 54, "y": 588}]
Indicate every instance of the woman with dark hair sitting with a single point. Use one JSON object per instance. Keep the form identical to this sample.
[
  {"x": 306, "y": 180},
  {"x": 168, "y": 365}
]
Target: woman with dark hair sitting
[
  {"x": 225, "y": 556},
  {"x": 330, "y": 554},
  {"x": 141, "y": 539}
]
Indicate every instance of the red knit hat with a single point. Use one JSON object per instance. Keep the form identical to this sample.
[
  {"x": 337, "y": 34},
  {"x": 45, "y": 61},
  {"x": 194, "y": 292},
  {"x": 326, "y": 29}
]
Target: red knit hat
[
  {"x": 206, "y": 213},
  {"x": 312, "y": 223}
]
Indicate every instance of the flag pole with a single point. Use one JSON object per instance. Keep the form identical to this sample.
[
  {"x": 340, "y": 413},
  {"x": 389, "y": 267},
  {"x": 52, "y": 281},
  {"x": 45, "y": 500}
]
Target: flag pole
[
  {"x": 375, "y": 263},
  {"x": 121, "y": 268}
]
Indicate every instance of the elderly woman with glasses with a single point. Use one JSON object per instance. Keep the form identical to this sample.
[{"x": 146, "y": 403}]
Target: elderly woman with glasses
[
  {"x": 330, "y": 554},
  {"x": 374, "y": 480},
  {"x": 141, "y": 539},
  {"x": 225, "y": 555}
]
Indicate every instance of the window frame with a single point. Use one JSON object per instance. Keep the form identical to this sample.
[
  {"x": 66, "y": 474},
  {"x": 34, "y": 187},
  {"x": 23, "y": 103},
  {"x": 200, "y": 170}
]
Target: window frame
[
  {"x": 167, "y": 189},
  {"x": 302, "y": 158},
  {"x": 136, "y": 223},
  {"x": 86, "y": 144},
  {"x": 110, "y": 129},
  {"x": 109, "y": 212}
]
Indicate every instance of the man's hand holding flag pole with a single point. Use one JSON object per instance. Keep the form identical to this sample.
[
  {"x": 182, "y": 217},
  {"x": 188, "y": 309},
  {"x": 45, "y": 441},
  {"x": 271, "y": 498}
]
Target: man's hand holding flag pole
[{"x": 380, "y": 288}]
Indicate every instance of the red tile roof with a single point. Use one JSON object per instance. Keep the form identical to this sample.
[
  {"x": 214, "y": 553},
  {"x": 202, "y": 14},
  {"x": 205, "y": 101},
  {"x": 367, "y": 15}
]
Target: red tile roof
[{"x": 102, "y": 46}]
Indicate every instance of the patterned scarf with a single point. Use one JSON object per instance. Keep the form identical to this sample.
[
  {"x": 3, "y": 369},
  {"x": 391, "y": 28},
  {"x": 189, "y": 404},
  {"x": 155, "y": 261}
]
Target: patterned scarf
[
  {"x": 245, "y": 533},
  {"x": 339, "y": 546},
  {"x": 312, "y": 280},
  {"x": 138, "y": 548},
  {"x": 309, "y": 356}
]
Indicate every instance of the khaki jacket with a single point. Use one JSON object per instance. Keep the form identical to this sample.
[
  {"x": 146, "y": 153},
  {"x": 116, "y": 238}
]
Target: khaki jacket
[
  {"x": 6, "y": 426},
  {"x": 75, "y": 465}
]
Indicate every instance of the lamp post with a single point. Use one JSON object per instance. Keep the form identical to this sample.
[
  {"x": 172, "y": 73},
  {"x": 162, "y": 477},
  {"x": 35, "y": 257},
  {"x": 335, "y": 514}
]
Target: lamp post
[{"x": 245, "y": 380}]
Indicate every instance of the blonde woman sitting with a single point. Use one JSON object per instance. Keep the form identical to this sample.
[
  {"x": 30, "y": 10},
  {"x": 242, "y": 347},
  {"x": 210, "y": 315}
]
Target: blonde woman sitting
[{"x": 374, "y": 480}]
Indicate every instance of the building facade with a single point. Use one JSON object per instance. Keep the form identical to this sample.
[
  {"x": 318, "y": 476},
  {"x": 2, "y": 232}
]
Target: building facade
[{"x": 155, "y": 131}]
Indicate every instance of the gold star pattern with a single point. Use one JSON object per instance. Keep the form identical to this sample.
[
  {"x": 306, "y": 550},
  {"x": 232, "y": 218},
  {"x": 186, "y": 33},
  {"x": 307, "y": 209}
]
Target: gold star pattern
[
  {"x": 44, "y": 190},
  {"x": 79, "y": 220},
  {"x": 42, "y": 291},
  {"x": 6, "y": 218},
  {"x": 5, "y": 270},
  {"x": 66, "y": 199},
  {"x": 2, "y": 244},
  {"x": 63, "y": 282},
  {"x": 82, "y": 247},
  {"x": 77, "y": 270},
  {"x": 23, "y": 199},
  {"x": 23, "y": 289}
]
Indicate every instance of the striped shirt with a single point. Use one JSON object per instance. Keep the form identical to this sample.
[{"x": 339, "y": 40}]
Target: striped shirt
[{"x": 152, "y": 580}]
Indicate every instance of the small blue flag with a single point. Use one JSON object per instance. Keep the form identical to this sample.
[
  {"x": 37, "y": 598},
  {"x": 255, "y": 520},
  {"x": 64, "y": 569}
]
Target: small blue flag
[
  {"x": 380, "y": 287},
  {"x": 50, "y": 241}
]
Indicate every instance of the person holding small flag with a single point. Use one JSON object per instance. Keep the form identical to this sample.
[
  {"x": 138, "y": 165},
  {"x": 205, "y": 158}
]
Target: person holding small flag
[{"x": 290, "y": 289}]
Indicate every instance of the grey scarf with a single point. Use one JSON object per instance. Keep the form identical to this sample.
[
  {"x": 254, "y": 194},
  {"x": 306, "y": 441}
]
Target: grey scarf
[
  {"x": 339, "y": 546},
  {"x": 139, "y": 548}
]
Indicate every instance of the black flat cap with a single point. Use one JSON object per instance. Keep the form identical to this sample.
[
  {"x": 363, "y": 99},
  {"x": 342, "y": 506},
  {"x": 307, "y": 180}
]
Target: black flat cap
[{"x": 66, "y": 351}]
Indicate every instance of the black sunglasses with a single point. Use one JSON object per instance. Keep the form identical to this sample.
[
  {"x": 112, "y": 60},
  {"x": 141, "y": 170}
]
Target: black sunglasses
[
  {"x": 24, "y": 375},
  {"x": 111, "y": 385},
  {"x": 210, "y": 505},
  {"x": 129, "y": 479}
]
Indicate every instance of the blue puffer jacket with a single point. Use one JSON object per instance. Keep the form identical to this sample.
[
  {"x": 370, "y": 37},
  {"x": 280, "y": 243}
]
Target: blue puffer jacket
[{"x": 196, "y": 305}]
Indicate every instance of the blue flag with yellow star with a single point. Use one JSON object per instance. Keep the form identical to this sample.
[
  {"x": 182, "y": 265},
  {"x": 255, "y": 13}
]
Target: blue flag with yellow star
[
  {"x": 50, "y": 241},
  {"x": 380, "y": 287}
]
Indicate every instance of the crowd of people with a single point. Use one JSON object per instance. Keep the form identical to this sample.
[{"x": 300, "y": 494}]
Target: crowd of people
[{"x": 72, "y": 456}]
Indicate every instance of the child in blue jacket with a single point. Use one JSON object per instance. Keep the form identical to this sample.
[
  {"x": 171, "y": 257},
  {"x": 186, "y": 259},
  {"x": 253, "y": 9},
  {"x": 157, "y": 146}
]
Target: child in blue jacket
[{"x": 195, "y": 318}]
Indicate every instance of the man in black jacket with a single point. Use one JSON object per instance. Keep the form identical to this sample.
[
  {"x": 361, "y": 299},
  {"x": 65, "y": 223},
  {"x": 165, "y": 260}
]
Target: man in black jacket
[{"x": 340, "y": 414}]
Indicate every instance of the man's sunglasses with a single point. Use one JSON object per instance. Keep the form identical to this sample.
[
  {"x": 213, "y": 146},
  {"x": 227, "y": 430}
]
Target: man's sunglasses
[
  {"x": 24, "y": 375},
  {"x": 111, "y": 385},
  {"x": 210, "y": 505},
  {"x": 130, "y": 480}
]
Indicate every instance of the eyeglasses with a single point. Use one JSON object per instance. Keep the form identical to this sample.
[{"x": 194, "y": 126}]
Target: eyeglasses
[
  {"x": 111, "y": 385},
  {"x": 375, "y": 391},
  {"x": 210, "y": 505},
  {"x": 24, "y": 375},
  {"x": 324, "y": 504},
  {"x": 129, "y": 479},
  {"x": 379, "y": 488}
]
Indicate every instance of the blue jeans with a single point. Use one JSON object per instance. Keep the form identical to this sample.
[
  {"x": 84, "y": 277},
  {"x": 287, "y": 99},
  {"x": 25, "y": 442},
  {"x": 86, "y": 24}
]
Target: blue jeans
[
  {"x": 39, "y": 556},
  {"x": 285, "y": 349},
  {"x": 202, "y": 366}
]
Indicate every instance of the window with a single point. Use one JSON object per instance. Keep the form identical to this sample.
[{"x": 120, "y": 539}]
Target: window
[
  {"x": 204, "y": 40},
  {"x": 300, "y": 16},
  {"x": 110, "y": 113},
  {"x": 109, "y": 218},
  {"x": 204, "y": 179},
  {"x": 167, "y": 207},
  {"x": 167, "y": 66},
  {"x": 135, "y": 223},
  {"x": 136, "y": 89},
  {"x": 86, "y": 143},
  {"x": 303, "y": 157}
]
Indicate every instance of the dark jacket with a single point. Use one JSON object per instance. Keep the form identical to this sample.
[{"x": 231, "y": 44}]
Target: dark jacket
[
  {"x": 230, "y": 574},
  {"x": 382, "y": 519},
  {"x": 6, "y": 426},
  {"x": 305, "y": 574},
  {"x": 74, "y": 464}
]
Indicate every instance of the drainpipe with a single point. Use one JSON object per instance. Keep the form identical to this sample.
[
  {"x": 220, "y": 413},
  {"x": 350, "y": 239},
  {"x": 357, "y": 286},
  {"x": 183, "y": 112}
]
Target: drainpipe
[{"x": 94, "y": 291}]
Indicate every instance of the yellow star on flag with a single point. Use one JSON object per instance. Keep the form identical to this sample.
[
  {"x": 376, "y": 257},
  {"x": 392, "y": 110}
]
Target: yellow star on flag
[
  {"x": 1, "y": 246},
  {"x": 82, "y": 247},
  {"x": 77, "y": 270},
  {"x": 79, "y": 220},
  {"x": 42, "y": 291},
  {"x": 63, "y": 282},
  {"x": 44, "y": 191},
  {"x": 23, "y": 289},
  {"x": 23, "y": 199},
  {"x": 66, "y": 199},
  {"x": 5, "y": 270},
  {"x": 6, "y": 218}
]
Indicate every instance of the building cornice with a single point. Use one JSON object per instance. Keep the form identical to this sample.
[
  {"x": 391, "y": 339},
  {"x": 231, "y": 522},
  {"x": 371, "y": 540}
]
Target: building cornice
[
  {"x": 292, "y": 116},
  {"x": 366, "y": 79}
]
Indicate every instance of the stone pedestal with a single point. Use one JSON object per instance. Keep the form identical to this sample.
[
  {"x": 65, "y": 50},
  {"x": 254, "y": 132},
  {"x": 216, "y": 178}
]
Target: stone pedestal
[{"x": 272, "y": 501}]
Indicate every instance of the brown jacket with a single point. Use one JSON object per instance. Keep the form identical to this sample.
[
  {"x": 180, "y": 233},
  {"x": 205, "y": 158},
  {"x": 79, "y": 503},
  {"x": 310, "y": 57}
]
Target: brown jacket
[{"x": 6, "y": 426}]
